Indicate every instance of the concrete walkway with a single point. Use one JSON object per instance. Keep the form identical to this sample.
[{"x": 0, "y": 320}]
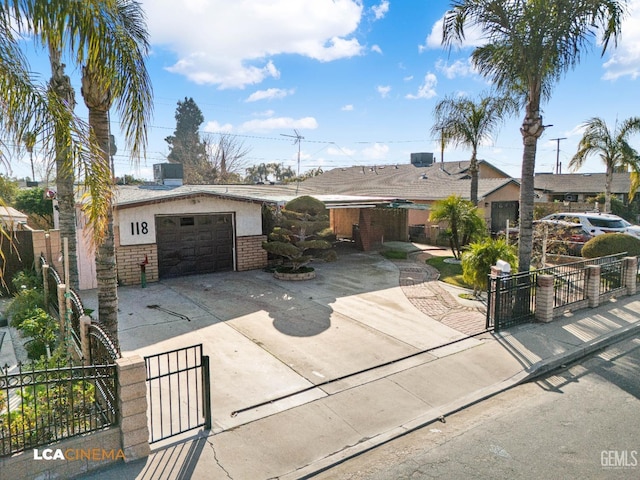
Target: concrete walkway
[{"x": 268, "y": 339}]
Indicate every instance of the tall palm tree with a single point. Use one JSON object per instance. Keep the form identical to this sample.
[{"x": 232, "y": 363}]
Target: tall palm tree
[
  {"x": 28, "y": 106},
  {"x": 530, "y": 45},
  {"x": 109, "y": 39},
  {"x": 463, "y": 121},
  {"x": 117, "y": 74},
  {"x": 614, "y": 150}
]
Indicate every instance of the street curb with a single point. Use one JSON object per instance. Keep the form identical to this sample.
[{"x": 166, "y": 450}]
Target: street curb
[{"x": 436, "y": 414}]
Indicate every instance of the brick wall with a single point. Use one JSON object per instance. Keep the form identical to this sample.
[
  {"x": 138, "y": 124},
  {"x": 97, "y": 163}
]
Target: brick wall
[
  {"x": 249, "y": 253},
  {"x": 128, "y": 259}
]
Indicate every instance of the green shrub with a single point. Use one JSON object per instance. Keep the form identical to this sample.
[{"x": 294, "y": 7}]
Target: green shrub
[
  {"x": 610, "y": 244},
  {"x": 42, "y": 328},
  {"x": 23, "y": 303},
  {"x": 479, "y": 257},
  {"x": 26, "y": 279}
]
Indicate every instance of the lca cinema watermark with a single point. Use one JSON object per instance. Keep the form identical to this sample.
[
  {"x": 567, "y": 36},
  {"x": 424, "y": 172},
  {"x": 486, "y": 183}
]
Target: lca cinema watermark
[
  {"x": 71, "y": 454},
  {"x": 619, "y": 459}
]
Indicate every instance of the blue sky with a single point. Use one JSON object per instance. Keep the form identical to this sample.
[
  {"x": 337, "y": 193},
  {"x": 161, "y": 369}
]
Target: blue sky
[{"x": 357, "y": 79}]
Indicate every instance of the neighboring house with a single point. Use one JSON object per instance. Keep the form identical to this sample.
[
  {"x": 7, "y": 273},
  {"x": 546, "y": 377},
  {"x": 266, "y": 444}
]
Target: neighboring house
[
  {"x": 424, "y": 183},
  {"x": 12, "y": 219},
  {"x": 578, "y": 187}
]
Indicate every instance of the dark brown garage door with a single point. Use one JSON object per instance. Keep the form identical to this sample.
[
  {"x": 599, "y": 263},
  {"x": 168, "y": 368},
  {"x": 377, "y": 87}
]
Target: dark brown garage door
[{"x": 190, "y": 244}]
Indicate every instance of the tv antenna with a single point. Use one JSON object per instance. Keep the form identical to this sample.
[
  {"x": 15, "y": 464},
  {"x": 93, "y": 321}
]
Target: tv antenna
[{"x": 298, "y": 140}]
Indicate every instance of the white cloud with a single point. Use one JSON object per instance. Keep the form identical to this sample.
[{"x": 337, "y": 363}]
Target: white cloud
[
  {"x": 377, "y": 49},
  {"x": 231, "y": 44},
  {"x": 472, "y": 34},
  {"x": 269, "y": 94},
  {"x": 379, "y": 11},
  {"x": 215, "y": 127},
  {"x": 427, "y": 89},
  {"x": 625, "y": 59},
  {"x": 279, "y": 123},
  {"x": 459, "y": 68},
  {"x": 383, "y": 90},
  {"x": 378, "y": 151},
  {"x": 347, "y": 108},
  {"x": 408, "y": 78}
]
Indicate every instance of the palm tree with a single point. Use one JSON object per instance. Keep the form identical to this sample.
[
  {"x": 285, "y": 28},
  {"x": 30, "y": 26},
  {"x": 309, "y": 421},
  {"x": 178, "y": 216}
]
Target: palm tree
[
  {"x": 463, "y": 220},
  {"x": 614, "y": 150},
  {"x": 529, "y": 45},
  {"x": 109, "y": 39},
  {"x": 462, "y": 121},
  {"x": 117, "y": 73}
]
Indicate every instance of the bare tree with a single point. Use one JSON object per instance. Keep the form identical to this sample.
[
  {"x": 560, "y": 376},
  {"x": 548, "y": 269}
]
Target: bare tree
[{"x": 226, "y": 157}]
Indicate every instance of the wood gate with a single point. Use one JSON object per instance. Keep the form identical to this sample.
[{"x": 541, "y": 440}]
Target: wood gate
[{"x": 179, "y": 392}]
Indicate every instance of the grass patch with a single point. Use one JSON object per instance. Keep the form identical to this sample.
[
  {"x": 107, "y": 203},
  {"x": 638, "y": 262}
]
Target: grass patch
[
  {"x": 394, "y": 254},
  {"x": 450, "y": 273}
]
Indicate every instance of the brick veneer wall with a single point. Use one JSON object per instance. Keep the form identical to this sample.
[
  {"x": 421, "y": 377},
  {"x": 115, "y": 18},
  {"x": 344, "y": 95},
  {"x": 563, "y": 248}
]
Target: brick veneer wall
[
  {"x": 249, "y": 254},
  {"x": 128, "y": 259}
]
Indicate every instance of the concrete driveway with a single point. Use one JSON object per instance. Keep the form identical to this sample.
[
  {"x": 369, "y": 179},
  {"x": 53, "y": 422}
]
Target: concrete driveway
[{"x": 268, "y": 338}]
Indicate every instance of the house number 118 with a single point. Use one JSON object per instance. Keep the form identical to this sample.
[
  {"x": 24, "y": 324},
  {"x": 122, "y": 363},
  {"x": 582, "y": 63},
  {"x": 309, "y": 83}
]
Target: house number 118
[{"x": 138, "y": 228}]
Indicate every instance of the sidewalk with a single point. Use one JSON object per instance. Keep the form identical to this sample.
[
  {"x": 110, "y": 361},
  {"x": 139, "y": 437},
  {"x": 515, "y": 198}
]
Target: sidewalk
[{"x": 347, "y": 417}]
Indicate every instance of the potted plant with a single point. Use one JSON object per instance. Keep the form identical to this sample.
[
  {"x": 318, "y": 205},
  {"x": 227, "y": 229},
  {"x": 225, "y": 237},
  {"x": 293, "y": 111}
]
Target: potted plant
[{"x": 300, "y": 235}]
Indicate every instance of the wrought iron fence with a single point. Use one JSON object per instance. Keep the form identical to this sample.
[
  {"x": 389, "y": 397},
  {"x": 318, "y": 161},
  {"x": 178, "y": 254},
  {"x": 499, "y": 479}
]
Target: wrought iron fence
[
  {"x": 102, "y": 349},
  {"x": 612, "y": 276},
  {"x": 77, "y": 309},
  {"x": 40, "y": 405},
  {"x": 179, "y": 392},
  {"x": 569, "y": 287},
  {"x": 511, "y": 299}
]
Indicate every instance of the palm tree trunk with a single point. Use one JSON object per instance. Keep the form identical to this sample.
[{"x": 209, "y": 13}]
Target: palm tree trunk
[
  {"x": 607, "y": 189},
  {"x": 98, "y": 102},
  {"x": 473, "y": 171},
  {"x": 61, "y": 85},
  {"x": 531, "y": 130}
]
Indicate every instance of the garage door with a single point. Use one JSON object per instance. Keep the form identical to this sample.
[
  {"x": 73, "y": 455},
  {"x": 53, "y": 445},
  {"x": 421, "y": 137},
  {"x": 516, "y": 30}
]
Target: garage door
[{"x": 190, "y": 244}]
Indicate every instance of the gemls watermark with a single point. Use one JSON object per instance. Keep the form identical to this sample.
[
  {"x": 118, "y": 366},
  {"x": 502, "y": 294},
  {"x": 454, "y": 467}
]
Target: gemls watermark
[
  {"x": 619, "y": 459},
  {"x": 92, "y": 454}
]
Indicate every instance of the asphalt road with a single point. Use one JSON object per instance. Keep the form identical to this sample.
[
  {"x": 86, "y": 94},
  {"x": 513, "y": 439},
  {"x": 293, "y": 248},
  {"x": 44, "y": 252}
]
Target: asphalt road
[{"x": 581, "y": 423}]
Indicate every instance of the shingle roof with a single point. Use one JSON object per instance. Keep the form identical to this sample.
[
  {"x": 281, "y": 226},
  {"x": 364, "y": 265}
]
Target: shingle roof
[
  {"x": 403, "y": 181},
  {"x": 592, "y": 183}
]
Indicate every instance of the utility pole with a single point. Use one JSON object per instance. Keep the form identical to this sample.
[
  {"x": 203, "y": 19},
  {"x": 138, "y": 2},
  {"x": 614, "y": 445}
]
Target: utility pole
[{"x": 558, "y": 167}]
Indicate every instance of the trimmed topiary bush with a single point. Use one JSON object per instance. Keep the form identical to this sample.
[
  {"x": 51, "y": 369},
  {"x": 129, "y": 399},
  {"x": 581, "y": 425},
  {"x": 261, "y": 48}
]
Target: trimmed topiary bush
[
  {"x": 610, "y": 244},
  {"x": 301, "y": 233}
]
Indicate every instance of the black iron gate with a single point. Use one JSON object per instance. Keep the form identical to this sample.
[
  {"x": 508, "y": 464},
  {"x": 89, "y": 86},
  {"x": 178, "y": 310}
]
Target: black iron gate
[
  {"x": 510, "y": 300},
  {"x": 179, "y": 392}
]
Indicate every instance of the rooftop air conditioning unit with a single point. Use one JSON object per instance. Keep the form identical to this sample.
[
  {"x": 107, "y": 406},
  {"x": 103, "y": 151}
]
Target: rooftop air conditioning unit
[
  {"x": 423, "y": 159},
  {"x": 168, "y": 173}
]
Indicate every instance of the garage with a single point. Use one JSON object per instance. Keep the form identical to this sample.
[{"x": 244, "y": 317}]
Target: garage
[{"x": 194, "y": 244}]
